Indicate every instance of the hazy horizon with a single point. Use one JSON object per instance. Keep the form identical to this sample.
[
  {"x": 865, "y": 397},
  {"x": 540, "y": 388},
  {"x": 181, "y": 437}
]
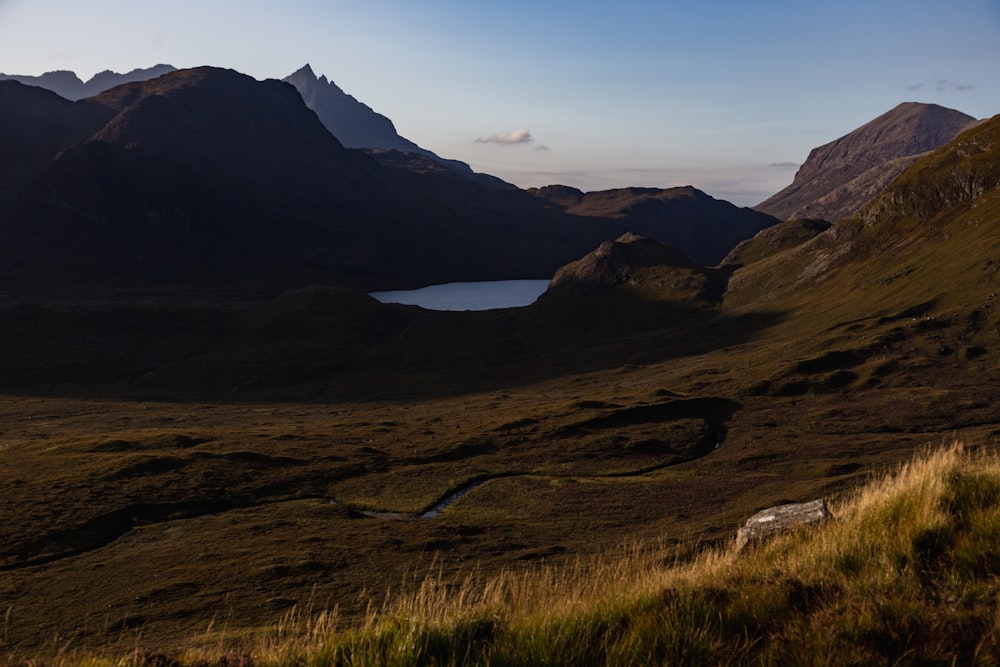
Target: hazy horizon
[{"x": 725, "y": 97}]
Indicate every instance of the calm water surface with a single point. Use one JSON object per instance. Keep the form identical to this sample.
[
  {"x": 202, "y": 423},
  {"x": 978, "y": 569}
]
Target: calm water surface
[{"x": 469, "y": 296}]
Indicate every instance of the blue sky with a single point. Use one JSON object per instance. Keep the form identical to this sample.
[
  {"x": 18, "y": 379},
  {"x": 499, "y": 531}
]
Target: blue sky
[{"x": 726, "y": 96}]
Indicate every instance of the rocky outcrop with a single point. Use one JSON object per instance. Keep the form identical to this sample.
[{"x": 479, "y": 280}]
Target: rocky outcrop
[
  {"x": 619, "y": 262},
  {"x": 781, "y": 519},
  {"x": 841, "y": 177},
  {"x": 355, "y": 124}
]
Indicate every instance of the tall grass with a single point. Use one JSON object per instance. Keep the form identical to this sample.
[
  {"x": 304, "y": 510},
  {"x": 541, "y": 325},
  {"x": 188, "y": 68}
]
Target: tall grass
[{"x": 907, "y": 574}]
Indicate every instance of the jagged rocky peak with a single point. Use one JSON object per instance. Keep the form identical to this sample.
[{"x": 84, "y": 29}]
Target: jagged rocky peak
[
  {"x": 357, "y": 125},
  {"x": 354, "y": 123},
  {"x": 307, "y": 74}
]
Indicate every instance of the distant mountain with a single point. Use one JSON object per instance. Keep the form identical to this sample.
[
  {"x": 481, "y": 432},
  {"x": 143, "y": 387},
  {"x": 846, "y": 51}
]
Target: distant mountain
[
  {"x": 357, "y": 125},
  {"x": 703, "y": 228},
  {"x": 68, "y": 84},
  {"x": 839, "y": 178}
]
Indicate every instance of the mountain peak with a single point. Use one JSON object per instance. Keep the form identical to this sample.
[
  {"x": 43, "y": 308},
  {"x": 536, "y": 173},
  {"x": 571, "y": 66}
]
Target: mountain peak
[
  {"x": 306, "y": 71},
  {"x": 839, "y": 178},
  {"x": 357, "y": 125}
]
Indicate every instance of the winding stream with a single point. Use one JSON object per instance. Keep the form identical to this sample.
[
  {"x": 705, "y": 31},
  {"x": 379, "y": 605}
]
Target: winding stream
[
  {"x": 454, "y": 497},
  {"x": 711, "y": 443}
]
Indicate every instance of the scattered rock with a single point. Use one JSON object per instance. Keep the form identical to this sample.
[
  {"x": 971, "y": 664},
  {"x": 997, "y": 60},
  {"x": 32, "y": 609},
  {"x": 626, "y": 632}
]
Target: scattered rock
[{"x": 781, "y": 519}]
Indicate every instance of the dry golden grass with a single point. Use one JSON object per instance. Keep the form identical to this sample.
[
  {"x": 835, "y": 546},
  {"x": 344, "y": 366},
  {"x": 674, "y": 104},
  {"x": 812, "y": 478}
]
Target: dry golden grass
[{"x": 905, "y": 574}]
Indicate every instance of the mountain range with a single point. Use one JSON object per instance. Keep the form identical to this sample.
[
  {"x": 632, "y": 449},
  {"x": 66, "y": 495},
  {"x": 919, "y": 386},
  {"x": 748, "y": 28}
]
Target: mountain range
[
  {"x": 209, "y": 168},
  {"x": 69, "y": 85},
  {"x": 208, "y": 172}
]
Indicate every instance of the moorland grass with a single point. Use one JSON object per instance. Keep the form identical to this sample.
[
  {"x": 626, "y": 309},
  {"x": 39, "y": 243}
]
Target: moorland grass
[{"x": 907, "y": 574}]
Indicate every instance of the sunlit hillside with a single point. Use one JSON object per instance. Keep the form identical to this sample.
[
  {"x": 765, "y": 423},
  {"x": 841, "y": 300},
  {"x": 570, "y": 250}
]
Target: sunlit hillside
[{"x": 906, "y": 573}]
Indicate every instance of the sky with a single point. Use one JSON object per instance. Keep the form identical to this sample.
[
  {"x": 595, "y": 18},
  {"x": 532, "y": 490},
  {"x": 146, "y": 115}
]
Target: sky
[{"x": 728, "y": 96}]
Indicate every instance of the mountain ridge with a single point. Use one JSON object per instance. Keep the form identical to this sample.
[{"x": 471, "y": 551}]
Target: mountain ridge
[
  {"x": 702, "y": 227},
  {"x": 68, "y": 85},
  {"x": 353, "y": 122}
]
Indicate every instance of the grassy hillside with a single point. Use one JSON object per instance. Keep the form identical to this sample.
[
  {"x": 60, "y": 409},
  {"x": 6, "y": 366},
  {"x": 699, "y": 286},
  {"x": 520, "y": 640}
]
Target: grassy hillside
[{"x": 907, "y": 573}]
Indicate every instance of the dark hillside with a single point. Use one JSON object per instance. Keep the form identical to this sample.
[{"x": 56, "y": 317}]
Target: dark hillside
[
  {"x": 35, "y": 125},
  {"x": 209, "y": 172},
  {"x": 703, "y": 228}
]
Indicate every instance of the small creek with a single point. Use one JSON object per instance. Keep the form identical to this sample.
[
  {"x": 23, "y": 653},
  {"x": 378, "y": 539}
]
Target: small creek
[
  {"x": 454, "y": 497},
  {"x": 713, "y": 442}
]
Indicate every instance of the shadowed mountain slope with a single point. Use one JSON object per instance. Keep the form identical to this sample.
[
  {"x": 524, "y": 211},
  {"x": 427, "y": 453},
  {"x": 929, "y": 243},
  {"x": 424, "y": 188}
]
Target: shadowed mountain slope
[
  {"x": 703, "y": 228},
  {"x": 840, "y": 177},
  {"x": 210, "y": 172},
  {"x": 35, "y": 124}
]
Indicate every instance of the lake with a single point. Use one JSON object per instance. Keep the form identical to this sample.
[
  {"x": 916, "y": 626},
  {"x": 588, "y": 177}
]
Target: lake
[{"x": 469, "y": 296}]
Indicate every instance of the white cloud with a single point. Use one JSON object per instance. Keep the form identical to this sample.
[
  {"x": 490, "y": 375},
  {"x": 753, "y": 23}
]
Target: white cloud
[
  {"x": 507, "y": 138},
  {"x": 942, "y": 85}
]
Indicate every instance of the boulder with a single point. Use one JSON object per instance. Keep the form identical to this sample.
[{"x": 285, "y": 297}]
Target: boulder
[{"x": 781, "y": 519}]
